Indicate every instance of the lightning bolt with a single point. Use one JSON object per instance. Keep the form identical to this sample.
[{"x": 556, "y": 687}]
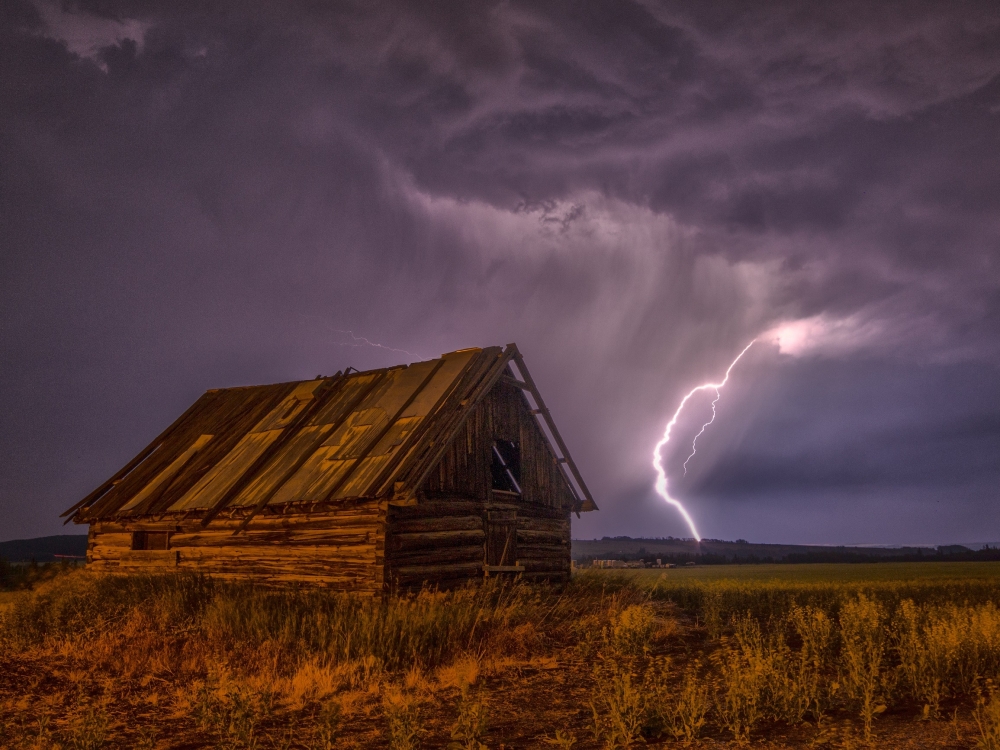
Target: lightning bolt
[
  {"x": 359, "y": 341},
  {"x": 694, "y": 443},
  {"x": 661, "y": 474},
  {"x": 362, "y": 341}
]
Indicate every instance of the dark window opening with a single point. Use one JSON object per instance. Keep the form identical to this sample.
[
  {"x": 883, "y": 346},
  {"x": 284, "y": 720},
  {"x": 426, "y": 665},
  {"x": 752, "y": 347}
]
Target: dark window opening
[
  {"x": 506, "y": 466},
  {"x": 150, "y": 540}
]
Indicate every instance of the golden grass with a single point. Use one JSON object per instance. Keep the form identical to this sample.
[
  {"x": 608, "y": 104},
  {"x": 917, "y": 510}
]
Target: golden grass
[{"x": 90, "y": 662}]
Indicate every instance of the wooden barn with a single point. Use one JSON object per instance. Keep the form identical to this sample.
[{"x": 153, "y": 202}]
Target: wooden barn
[{"x": 384, "y": 480}]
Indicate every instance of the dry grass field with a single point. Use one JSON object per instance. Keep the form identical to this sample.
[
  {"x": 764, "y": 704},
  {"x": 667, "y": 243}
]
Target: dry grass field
[{"x": 893, "y": 655}]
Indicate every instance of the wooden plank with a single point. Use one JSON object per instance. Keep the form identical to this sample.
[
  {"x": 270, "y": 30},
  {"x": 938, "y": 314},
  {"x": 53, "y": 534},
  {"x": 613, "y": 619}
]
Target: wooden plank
[
  {"x": 135, "y": 557},
  {"x": 225, "y": 474},
  {"x": 326, "y": 552},
  {"x": 449, "y": 555},
  {"x": 328, "y": 421},
  {"x": 111, "y": 540},
  {"x": 542, "y": 553},
  {"x": 363, "y": 513},
  {"x": 278, "y": 537},
  {"x": 508, "y": 380},
  {"x": 293, "y": 412},
  {"x": 480, "y": 391},
  {"x": 431, "y": 572},
  {"x": 440, "y": 431},
  {"x": 231, "y": 414},
  {"x": 374, "y": 441},
  {"x": 439, "y": 523},
  {"x": 589, "y": 504},
  {"x": 140, "y": 457},
  {"x": 549, "y": 538},
  {"x": 434, "y": 509},
  {"x": 454, "y": 368},
  {"x": 162, "y": 481},
  {"x": 438, "y": 539},
  {"x": 553, "y": 525}
]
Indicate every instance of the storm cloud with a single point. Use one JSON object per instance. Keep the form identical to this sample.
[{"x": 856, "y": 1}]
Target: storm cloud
[{"x": 203, "y": 195}]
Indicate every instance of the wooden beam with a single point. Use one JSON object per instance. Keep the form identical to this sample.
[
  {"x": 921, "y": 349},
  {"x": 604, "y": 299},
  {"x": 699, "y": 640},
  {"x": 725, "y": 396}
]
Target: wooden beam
[
  {"x": 543, "y": 410},
  {"x": 454, "y": 413},
  {"x": 515, "y": 382}
]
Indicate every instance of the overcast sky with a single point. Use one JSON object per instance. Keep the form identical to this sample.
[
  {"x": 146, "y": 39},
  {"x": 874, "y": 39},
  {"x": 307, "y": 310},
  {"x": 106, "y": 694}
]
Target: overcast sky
[{"x": 212, "y": 194}]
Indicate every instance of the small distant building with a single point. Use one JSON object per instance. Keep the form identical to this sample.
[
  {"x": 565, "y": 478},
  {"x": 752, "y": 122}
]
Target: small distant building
[
  {"x": 610, "y": 564},
  {"x": 434, "y": 473}
]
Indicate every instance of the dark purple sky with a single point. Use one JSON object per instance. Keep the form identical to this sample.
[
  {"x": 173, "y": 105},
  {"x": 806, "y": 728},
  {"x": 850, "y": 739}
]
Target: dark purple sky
[{"x": 206, "y": 195}]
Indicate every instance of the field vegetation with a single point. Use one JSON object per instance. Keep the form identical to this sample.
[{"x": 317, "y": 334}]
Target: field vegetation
[{"x": 808, "y": 656}]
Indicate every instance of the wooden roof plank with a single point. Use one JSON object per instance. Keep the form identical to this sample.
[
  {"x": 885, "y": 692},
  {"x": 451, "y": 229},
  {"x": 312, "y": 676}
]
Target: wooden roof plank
[
  {"x": 241, "y": 450},
  {"x": 370, "y": 445},
  {"x": 315, "y": 443},
  {"x": 453, "y": 415}
]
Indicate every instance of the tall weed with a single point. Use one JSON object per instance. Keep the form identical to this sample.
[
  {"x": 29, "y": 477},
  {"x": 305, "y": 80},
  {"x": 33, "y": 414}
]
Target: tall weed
[
  {"x": 987, "y": 718},
  {"x": 619, "y": 706},
  {"x": 800, "y": 682},
  {"x": 745, "y": 669},
  {"x": 404, "y": 718},
  {"x": 680, "y": 705},
  {"x": 470, "y": 726},
  {"x": 863, "y": 657}
]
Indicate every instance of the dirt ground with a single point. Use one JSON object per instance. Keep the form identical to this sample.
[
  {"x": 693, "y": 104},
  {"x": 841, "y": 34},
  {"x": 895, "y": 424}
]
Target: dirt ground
[{"x": 45, "y": 702}]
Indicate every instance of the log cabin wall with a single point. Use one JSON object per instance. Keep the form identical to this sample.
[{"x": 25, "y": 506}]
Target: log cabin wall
[
  {"x": 443, "y": 542},
  {"x": 340, "y": 549},
  {"x": 443, "y": 539}
]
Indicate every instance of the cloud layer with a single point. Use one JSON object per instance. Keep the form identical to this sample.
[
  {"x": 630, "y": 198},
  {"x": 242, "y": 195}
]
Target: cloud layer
[{"x": 194, "y": 197}]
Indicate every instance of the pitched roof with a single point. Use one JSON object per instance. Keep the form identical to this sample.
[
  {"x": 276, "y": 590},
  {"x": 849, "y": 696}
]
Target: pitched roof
[{"x": 363, "y": 434}]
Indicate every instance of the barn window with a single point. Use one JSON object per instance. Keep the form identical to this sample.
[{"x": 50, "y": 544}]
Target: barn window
[
  {"x": 150, "y": 540},
  {"x": 506, "y": 466}
]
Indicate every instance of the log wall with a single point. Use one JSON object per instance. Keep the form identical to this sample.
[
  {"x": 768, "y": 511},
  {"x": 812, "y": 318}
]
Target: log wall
[
  {"x": 442, "y": 542},
  {"x": 341, "y": 549}
]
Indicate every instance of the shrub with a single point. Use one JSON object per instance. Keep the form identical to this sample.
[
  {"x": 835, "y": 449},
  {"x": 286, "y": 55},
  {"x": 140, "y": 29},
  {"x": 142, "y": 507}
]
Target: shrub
[{"x": 632, "y": 629}]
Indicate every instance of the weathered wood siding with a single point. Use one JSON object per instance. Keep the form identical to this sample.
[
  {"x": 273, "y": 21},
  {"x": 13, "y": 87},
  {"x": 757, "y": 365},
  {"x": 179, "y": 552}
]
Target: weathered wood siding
[
  {"x": 442, "y": 542},
  {"x": 341, "y": 549},
  {"x": 465, "y": 467},
  {"x": 373, "y": 546}
]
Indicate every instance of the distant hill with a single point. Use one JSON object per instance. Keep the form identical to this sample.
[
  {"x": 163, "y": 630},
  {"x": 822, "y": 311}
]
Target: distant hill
[
  {"x": 718, "y": 551},
  {"x": 44, "y": 548}
]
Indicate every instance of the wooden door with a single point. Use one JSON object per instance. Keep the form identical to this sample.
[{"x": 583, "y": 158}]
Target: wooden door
[{"x": 501, "y": 538}]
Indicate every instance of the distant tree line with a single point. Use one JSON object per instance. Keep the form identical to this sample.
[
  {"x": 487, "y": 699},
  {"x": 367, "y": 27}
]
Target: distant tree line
[{"x": 951, "y": 553}]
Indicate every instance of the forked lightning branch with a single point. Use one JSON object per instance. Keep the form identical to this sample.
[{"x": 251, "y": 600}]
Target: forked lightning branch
[{"x": 662, "y": 487}]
